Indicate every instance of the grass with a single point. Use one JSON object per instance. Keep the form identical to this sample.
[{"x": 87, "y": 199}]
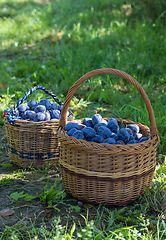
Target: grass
[
  {"x": 144, "y": 219},
  {"x": 53, "y": 43}
]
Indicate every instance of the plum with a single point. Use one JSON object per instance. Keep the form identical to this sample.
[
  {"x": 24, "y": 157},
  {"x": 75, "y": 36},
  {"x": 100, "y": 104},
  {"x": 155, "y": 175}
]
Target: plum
[
  {"x": 104, "y": 131},
  {"x": 46, "y": 103},
  {"x": 29, "y": 114},
  {"x": 138, "y": 136},
  {"x": 80, "y": 126},
  {"x": 32, "y": 104},
  {"x": 53, "y": 106},
  {"x": 104, "y": 121},
  {"x": 98, "y": 125},
  {"x": 71, "y": 131},
  {"x": 131, "y": 134},
  {"x": 123, "y": 135},
  {"x": 143, "y": 139},
  {"x": 113, "y": 125},
  {"x": 78, "y": 134},
  {"x": 134, "y": 128},
  {"x": 22, "y": 108},
  {"x": 88, "y": 132},
  {"x": 97, "y": 138},
  {"x": 40, "y": 108},
  {"x": 96, "y": 118},
  {"x": 40, "y": 116},
  {"x": 120, "y": 142},
  {"x": 47, "y": 116},
  {"x": 87, "y": 122},
  {"x": 110, "y": 140},
  {"x": 55, "y": 114},
  {"x": 70, "y": 125},
  {"x": 132, "y": 141}
]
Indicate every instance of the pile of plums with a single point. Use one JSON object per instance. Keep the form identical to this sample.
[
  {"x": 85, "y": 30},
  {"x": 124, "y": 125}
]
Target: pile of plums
[
  {"x": 39, "y": 111},
  {"x": 97, "y": 129}
]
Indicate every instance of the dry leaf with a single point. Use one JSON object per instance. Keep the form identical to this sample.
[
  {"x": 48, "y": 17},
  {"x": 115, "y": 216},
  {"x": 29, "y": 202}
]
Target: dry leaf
[{"x": 6, "y": 212}]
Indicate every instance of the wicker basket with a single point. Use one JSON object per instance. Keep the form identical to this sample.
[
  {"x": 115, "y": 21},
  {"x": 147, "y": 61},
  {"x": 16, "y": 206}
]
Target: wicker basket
[
  {"x": 33, "y": 143},
  {"x": 103, "y": 173}
]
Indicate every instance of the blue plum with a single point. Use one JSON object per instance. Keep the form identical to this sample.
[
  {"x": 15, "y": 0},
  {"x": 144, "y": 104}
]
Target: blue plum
[
  {"x": 134, "y": 128},
  {"x": 88, "y": 132},
  {"x": 40, "y": 108},
  {"x": 70, "y": 125},
  {"x": 77, "y": 125},
  {"x": 53, "y": 106},
  {"x": 47, "y": 116},
  {"x": 114, "y": 136},
  {"x": 138, "y": 136},
  {"x": 98, "y": 125},
  {"x": 32, "y": 104},
  {"x": 113, "y": 125},
  {"x": 104, "y": 131},
  {"x": 110, "y": 140},
  {"x": 78, "y": 134},
  {"x": 96, "y": 118},
  {"x": 123, "y": 135},
  {"x": 46, "y": 103},
  {"x": 131, "y": 134},
  {"x": 120, "y": 142},
  {"x": 87, "y": 122},
  {"x": 98, "y": 139},
  {"x": 71, "y": 131},
  {"x": 80, "y": 126},
  {"x": 55, "y": 114},
  {"x": 143, "y": 139},
  {"x": 29, "y": 114},
  {"x": 132, "y": 141},
  {"x": 40, "y": 116},
  {"x": 113, "y": 120},
  {"x": 22, "y": 108}
]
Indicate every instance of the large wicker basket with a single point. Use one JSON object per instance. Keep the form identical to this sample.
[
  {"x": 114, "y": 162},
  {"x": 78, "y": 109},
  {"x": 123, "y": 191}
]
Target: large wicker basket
[
  {"x": 31, "y": 143},
  {"x": 102, "y": 173}
]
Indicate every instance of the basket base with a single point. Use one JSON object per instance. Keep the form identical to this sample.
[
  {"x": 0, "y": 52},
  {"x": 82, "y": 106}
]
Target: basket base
[{"x": 105, "y": 191}]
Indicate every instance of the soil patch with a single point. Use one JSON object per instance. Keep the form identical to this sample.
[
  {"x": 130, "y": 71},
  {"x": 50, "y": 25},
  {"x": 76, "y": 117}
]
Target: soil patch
[{"x": 27, "y": 213}]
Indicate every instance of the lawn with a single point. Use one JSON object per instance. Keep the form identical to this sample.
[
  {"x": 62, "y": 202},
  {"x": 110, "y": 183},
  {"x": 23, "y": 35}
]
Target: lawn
[{"x": 52, "y": 44}]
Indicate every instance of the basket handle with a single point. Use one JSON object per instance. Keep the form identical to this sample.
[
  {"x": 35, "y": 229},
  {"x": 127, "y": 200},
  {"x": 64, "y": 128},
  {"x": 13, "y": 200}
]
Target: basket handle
[
  {"x": 20, "y": 101},
  {"x": 153, "y": 127},
  {"x": 10, "y": 112}
]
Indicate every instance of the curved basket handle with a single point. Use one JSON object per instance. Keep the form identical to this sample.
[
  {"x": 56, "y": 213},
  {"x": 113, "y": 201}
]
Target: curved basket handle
[
  {"x": 20, "y": 101},
  {"x": 10, "y": 112},
  {"x": 153, "y": 127}
]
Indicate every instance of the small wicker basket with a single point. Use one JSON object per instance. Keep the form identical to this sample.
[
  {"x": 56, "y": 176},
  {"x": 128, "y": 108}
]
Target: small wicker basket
[
  {"x": 103, "y": 173},
  {"x": 31, "y": 143}
]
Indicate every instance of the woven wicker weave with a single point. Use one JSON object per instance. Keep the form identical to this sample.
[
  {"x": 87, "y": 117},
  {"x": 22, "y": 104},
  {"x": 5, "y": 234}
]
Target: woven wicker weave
[
  {"x": 31, "y": 143},
  {"x": 103, "y": 173}
]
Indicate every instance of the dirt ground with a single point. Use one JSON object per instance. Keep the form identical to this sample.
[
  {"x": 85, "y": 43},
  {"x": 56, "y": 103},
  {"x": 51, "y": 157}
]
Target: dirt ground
[{"x": 13, "y": 212}]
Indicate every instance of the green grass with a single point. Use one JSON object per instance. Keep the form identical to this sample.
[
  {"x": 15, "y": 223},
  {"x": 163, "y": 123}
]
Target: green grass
[
  {"x": 142, "y": 220},
  {"x": 53, "y": 43}
]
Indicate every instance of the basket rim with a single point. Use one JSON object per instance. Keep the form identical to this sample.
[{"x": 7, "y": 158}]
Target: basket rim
[{"x": 40, "y": 123}]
